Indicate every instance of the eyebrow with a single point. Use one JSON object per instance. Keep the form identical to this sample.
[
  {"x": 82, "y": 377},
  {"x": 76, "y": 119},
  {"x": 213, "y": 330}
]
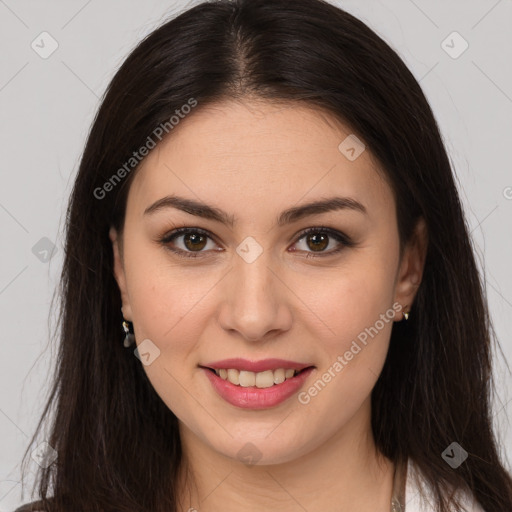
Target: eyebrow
[{"x": 286, "y": 217}]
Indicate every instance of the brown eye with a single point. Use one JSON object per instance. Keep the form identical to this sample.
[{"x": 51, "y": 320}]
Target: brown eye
[
  {"x": 317, "y": 241},
  {"x": 194, "y": 241},
  {"x": 187, "y": 242}
]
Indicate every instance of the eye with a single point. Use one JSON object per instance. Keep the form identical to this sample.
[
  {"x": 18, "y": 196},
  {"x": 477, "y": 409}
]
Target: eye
[
  {"x": 194, "y": 240},
  {"x": 320, "y": 238}
]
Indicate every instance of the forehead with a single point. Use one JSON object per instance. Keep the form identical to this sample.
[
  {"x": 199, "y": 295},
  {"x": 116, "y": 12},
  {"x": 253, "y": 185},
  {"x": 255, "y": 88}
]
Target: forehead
[{"x": 250, "y": 153}]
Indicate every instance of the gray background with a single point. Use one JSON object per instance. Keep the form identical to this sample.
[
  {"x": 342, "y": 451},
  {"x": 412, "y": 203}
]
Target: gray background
[{"x": 47, "y": 106}]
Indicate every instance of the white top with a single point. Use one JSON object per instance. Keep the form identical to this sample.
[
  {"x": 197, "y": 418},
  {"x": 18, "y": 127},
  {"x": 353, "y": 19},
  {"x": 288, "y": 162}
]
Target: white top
[{"x": 415, "y": 503}]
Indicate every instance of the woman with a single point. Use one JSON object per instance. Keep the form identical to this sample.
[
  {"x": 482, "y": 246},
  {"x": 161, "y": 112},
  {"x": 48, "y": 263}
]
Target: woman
[{"x": 265, "y": 212}]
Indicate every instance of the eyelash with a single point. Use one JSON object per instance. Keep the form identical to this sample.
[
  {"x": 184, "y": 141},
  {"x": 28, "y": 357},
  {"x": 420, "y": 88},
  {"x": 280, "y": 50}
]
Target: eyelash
[{"x": 343, "y": 239}]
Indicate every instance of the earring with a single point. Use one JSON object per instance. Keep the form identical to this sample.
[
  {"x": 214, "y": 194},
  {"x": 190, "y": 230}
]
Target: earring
[
  {"x": 406, "y": 315},
  {"x": 129, "y": 338}
]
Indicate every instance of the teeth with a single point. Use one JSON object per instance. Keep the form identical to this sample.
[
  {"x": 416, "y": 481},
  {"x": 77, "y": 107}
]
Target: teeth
[
  {"x": 247, "y": 379},
  {"x": 233, "y": 376},
  {"x": 265, "y": 379},
  {"x": 279, "y": 376},
  {"x": 289, "y": 373}
]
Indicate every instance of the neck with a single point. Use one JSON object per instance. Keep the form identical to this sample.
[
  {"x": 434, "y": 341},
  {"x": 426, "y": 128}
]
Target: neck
[{"x": 344, "y": 473}]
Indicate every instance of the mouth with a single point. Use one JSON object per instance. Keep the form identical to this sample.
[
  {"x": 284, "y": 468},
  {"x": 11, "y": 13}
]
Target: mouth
[
  {"x": 261, "y": 380},
  {"x": 264, "y": 389}
]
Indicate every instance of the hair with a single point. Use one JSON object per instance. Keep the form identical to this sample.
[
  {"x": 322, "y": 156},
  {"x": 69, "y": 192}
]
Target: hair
[{"x": 118, "y": 444}]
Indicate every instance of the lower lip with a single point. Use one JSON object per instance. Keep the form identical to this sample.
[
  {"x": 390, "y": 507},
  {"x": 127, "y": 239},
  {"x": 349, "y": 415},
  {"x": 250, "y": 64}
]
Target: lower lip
[{"x": 257, "y": 398}]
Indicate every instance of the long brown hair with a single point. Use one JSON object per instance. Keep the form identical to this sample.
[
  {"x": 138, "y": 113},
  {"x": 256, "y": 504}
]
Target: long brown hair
[{"x": 118, "y": 444}]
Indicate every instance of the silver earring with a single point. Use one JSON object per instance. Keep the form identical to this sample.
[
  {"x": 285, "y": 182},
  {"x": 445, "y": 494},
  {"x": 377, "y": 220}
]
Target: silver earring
[{"x": 129, "y": 338}]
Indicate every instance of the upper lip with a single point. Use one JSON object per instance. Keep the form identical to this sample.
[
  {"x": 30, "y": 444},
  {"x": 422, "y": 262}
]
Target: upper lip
[{"x": 256, "y": 366}]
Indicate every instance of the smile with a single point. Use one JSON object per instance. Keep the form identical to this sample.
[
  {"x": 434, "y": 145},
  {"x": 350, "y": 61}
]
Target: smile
[
  {"x": 261, "y": 380},
  {"x": 262, "y": 389}
]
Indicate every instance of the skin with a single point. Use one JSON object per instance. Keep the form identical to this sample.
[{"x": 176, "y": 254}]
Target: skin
[{"x": 254, "y": 159}]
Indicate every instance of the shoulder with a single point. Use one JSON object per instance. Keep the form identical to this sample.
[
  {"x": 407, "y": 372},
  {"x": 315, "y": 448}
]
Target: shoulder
[
  {"x": 34, "y": 506},
  {"x": 418, "y": 497}
]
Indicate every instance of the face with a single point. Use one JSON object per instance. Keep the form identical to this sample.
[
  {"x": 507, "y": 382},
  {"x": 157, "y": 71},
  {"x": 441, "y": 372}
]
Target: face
[{"x": 245, "y": 280}]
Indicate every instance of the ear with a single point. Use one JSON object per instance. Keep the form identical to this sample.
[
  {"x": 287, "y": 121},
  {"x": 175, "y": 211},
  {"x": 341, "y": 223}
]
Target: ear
[
  {"x": 119, "y": 272},
  {"x": 411, "y": 266}
]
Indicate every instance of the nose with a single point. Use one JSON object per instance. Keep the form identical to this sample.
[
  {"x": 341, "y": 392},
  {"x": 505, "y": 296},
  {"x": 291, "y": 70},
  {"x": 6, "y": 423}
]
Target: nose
[{"x": 255, "y": 300}]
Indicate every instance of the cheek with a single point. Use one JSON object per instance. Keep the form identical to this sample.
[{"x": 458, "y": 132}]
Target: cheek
[
  {"x": 168, "y": 304},
  {"x": 350, "y": 300},
  {"x": 357, "y": 308},
  {"x": 163, "y": 292}
]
